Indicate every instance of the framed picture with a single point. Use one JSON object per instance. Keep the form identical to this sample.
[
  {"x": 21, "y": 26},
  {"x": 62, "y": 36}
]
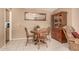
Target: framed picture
[{"x": 34, "y": 16}]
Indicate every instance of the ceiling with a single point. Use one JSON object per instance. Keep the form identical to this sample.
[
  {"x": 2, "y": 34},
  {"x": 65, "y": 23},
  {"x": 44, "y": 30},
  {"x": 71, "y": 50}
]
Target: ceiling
[
  {"x": 48, "y": 9},
  {"x": 45, "y": 9}
]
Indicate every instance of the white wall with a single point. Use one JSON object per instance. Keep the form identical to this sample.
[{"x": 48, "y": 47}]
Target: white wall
[{"x": 75, "y": 18}]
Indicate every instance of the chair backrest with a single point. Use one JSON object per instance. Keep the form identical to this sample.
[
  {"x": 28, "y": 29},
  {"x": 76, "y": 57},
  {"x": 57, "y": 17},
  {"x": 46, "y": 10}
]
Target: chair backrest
[
  {"x": 48, "y": 30},
  {"x": 44, "y": 30},
  {"x": 27, "y": 34},
  {"x": 67, "y": 32}
]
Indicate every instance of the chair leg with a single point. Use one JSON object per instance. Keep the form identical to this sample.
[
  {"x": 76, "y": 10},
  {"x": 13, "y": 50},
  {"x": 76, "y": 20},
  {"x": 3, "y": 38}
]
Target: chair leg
[
  {"x": 39, "y": 44},
  {"x": 26, "y": 41}
]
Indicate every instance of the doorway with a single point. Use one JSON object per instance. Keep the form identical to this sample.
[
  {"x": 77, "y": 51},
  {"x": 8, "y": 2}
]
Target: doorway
[{"x": 8, "y": 25}]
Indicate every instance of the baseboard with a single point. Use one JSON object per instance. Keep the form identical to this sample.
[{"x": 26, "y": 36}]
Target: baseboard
[{"x": 19, "y": 38}]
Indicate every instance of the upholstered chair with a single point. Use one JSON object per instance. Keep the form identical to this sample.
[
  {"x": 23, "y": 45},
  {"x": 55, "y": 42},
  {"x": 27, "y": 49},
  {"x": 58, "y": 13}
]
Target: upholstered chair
[{"x": 73, "y": 42}]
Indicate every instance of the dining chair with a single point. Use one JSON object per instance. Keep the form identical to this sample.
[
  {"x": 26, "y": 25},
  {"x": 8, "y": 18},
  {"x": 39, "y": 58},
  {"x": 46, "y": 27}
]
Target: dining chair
[
  {"x": 73, "y": 42},
  {"x": 28, "y": 36},
  {"x": 46, "y": 32},
  {"x": 42, "y": 37}
]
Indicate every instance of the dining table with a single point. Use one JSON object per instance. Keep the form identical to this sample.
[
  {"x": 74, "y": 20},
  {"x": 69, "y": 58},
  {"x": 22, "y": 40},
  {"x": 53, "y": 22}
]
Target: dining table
[{"x": 37, "y": 36}]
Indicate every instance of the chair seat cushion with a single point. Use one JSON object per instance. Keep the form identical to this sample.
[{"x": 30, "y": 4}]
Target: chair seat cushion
[{"x": 75, "y": 34}]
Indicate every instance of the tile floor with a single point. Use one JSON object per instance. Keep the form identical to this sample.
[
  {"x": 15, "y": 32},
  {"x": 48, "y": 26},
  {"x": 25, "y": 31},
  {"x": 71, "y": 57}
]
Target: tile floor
[{"x": 19, "y": 45}]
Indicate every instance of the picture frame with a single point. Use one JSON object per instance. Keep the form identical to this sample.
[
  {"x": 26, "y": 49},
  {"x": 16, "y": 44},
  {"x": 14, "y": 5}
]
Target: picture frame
[{"x": 30, "y": 16}]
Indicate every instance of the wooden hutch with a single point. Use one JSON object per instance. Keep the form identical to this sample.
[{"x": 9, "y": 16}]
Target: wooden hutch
[{"x": 57, "y": 22}]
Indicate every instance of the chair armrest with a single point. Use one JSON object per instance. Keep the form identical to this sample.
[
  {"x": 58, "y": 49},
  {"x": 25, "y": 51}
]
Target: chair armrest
[
  {"x": 77, "y": 40},
  {"x": 71, "y": 40}
]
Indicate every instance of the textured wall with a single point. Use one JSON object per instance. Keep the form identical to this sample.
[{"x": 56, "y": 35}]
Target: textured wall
[{"x": 1, "y": 27}]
